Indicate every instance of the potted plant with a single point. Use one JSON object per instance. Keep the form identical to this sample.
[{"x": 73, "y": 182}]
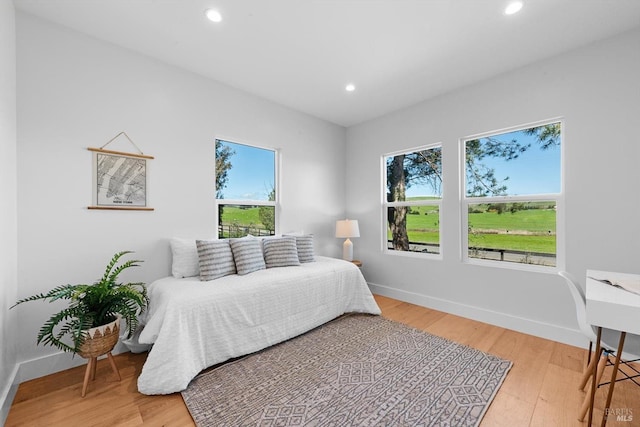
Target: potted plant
[{"x": 94, "y": 311}]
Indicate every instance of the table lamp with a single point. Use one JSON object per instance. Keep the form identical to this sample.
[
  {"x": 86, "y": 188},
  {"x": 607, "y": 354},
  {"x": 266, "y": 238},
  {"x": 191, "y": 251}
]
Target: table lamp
[{"x": 347, "y": 228}]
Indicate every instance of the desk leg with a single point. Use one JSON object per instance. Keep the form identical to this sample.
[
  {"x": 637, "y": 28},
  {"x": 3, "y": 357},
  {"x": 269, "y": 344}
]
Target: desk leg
[
  {"x": 613, "y": 378},
  {"x": 594, "y": 380},
  {"x": 602, "y": 363}
]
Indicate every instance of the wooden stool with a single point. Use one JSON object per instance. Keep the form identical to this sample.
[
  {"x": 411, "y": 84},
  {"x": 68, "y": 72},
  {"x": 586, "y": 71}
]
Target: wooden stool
[{"x": 91, "y": 371}]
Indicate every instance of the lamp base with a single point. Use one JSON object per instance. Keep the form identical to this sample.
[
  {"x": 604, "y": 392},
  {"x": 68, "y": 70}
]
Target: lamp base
[{"x": 347, "y": 250}]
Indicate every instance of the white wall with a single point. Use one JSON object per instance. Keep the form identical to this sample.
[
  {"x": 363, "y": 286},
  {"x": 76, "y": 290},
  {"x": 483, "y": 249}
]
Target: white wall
[
  {"x": 596, "y": 89},
  {"x": 76, "y": 92},
  {"x": 8, "y": 205}
]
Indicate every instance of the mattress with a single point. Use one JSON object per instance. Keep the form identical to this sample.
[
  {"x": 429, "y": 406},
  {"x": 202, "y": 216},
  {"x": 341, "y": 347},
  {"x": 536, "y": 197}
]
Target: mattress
[{"x": 194, "y": 324}]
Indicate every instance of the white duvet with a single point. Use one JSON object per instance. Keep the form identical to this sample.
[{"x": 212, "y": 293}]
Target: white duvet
[{"x": 193, "y": 325}]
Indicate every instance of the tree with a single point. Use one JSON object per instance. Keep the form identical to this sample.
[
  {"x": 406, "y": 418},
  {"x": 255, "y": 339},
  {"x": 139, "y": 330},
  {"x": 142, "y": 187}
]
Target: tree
[
  {"x": 481, "y": 180},
  {"x": 223, "y": 165},
  {"x": 426, "y": 167},
  {"x": 397, "y": 216},
  {"x": 267, "y": 214},
  {"x": 404, "y": 170}
]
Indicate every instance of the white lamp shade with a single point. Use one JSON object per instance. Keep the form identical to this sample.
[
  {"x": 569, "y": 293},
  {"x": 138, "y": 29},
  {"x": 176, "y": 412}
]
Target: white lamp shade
[{"x": 347, "y": 228}]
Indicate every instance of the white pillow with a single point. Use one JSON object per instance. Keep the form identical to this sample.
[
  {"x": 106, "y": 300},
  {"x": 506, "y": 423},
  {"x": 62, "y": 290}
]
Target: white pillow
[{"x": 184, "y": 258}]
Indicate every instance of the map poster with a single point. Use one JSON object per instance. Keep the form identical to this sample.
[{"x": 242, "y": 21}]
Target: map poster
[{"x": 120, "y": 181}]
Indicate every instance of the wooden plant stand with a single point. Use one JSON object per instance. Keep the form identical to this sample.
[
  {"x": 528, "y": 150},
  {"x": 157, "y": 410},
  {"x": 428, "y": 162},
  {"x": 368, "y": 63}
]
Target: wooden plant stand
[
  {"x": 99, "y": 341},
  {"x": 90, "y": 372}
]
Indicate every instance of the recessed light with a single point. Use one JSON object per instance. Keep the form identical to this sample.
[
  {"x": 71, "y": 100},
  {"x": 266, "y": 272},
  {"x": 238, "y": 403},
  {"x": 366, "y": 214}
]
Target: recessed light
[
  {"x": 513, "y": 7},
  {"x": 213, "y": 15},
  {"x": 350, "y": 87}
]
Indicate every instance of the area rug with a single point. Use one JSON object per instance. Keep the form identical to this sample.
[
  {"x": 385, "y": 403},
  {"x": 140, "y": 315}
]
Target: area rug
[{"x": 358, "y": 370}]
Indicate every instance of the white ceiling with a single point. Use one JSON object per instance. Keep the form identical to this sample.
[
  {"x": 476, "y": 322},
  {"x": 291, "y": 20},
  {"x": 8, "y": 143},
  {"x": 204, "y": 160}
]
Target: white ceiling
[{"x": 302, "y": 53}]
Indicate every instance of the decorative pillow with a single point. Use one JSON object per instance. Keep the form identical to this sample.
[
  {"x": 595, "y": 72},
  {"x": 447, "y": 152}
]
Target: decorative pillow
[
  {"x": 215, "y": 259},
  {"x": 247, "y": 254},
  {"x": 261, "y": 239},
  {"x": 304, "y": 243},
  {"x": 280, "y": 252},
  {"x": 184, "y": 258}
]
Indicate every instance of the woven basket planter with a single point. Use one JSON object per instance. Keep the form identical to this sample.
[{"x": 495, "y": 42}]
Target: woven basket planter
[{"x": 100, "y": 340}]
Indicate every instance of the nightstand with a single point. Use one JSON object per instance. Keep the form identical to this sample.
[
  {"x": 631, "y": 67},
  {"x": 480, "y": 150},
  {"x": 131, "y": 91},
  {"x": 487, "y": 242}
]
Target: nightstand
[{"x": 357, "y": 263}]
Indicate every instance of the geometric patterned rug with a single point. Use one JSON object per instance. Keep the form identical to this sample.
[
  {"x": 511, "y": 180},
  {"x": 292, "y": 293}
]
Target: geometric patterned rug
[{"x": 357, "y": 370}]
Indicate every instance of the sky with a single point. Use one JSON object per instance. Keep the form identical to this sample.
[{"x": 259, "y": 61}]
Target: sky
[
  {"x": 252, "y": 175},
  {"x": 535, "y": 171}
]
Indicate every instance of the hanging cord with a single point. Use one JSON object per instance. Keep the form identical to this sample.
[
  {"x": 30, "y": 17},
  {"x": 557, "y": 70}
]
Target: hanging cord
[{"x": 127, "y": 136}]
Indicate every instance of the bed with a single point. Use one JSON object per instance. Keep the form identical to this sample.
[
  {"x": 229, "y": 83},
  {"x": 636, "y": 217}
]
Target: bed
[{"x": 194, "y": 324}]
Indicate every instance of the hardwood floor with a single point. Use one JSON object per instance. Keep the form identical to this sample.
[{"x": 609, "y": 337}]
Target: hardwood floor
[{"x": 540, "y": 390}]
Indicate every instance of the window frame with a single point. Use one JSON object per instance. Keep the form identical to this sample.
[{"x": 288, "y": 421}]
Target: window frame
[
  {"x": 559, "y": 199},
  {"x": 385, "y": 205},
  {"x": 247, "y": 202}
]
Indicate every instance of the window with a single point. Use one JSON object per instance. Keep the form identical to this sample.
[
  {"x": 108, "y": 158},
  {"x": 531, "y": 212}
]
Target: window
[
  {"x": 246, "y": 189},
  {"x": 512, "y": 196},
  {"x": 412, "y": 200}
]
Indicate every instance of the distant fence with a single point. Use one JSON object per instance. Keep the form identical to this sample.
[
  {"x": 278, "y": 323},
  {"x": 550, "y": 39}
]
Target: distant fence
[
  {"x": 524, "y": 257},
  {"x": 235, "y": 230}
]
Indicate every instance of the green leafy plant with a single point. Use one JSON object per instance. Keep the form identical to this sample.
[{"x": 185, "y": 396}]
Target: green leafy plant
[{"x": 92, "y": 305}]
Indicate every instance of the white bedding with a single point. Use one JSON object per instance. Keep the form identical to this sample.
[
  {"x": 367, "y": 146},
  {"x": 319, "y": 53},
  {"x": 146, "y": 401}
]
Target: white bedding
[{"x": 193, "y": 325}]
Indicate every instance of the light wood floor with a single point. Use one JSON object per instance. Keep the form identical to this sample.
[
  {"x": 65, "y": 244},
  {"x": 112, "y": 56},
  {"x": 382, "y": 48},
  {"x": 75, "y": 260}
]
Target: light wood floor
[{"x": 540, "y": 390}]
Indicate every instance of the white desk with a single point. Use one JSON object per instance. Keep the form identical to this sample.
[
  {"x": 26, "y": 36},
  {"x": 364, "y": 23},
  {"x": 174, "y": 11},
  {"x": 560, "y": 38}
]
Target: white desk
[{"x": 612, "y": 308}]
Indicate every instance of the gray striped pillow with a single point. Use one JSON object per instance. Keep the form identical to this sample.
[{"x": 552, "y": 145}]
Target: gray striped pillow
[
  {"x": 280, "y": 252},
  {"x": 215, "y": 259},
  {"x": 247, "y": 254},
  {"x": 304, "y": 243}
]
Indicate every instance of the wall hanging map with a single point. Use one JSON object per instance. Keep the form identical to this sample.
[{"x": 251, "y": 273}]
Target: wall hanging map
[{"x": 120, "y": 179}]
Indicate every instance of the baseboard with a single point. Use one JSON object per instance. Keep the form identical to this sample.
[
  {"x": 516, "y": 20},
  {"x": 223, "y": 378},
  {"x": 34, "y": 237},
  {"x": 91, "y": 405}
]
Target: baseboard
[
  {"x": 8, "y": 394},
  {"x": 52, "y": 363},
  {"x": 532, "y": 327}
]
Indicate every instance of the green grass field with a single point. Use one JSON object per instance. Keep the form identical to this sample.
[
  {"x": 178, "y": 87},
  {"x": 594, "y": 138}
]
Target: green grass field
[
  {"x": 530, "y": 229},
  {"x": 423, "y": 224},
  {"x": 539, "y": 220},
  {"x": 243, "y": 217},
  {"x": 542, "y": 244}
]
